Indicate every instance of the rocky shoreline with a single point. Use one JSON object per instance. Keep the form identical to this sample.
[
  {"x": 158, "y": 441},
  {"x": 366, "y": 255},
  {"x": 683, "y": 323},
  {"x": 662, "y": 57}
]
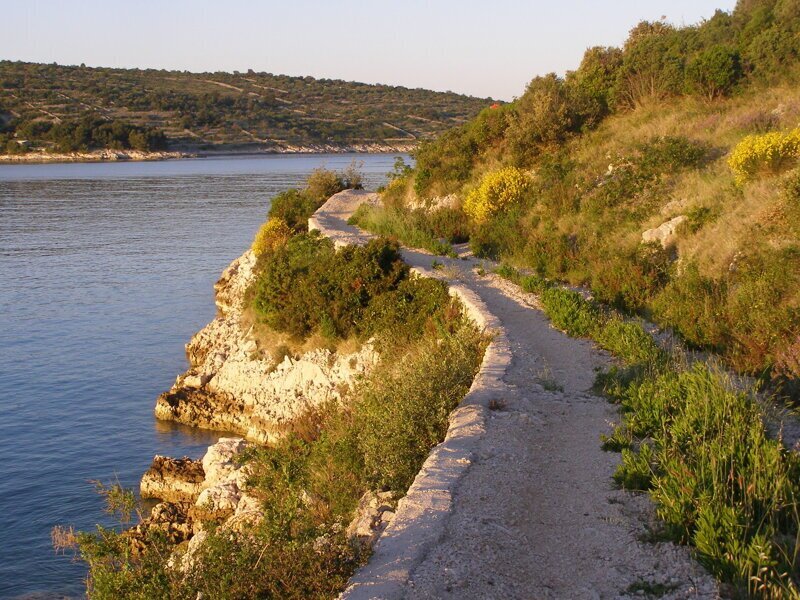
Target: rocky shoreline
[
  {"x": 94, "y": 156},
  {"x": 234, "y": 385},
  {"x": 37, "y": 157}
]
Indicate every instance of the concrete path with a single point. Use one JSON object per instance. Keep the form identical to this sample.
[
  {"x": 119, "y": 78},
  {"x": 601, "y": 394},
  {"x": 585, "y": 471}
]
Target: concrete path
[{"x": 532, "y": 512}]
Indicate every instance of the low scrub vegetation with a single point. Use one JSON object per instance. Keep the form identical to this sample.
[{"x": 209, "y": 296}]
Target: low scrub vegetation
[
  {"x": 310, "y": 482},
  {"x": 644, "y": 182},
  {"x": 417, "y": 229},
  {"x": 719, "y": 482},
  {"x": 699, "y": 447},
  {"x": 295, "y": 206}
]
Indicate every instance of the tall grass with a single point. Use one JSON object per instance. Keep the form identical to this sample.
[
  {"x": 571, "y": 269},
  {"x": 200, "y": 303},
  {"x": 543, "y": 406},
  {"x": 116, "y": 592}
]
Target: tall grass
[{"x": 409, "y": 228}]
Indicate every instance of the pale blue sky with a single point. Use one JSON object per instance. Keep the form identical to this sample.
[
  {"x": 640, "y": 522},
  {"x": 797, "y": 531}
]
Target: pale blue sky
[{"x": 485, "y": 48}]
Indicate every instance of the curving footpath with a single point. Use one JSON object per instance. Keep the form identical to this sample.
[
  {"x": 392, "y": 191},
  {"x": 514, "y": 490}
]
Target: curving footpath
[{"x": 518, "y": 501}]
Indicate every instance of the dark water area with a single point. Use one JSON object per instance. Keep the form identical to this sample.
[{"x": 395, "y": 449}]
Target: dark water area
[{"x": 106, "y": 270}]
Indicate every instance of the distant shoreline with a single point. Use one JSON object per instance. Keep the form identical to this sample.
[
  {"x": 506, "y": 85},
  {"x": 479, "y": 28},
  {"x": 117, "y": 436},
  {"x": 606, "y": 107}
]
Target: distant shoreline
[{"x": 98, "y": 156}]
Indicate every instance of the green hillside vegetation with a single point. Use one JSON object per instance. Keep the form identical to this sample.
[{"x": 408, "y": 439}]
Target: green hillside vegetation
[
  {"x": 696, "y": 123},
  {"x": 69, "y": 108}
]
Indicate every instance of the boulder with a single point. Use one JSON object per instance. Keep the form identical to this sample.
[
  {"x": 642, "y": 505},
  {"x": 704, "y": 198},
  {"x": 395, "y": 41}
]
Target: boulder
[
  {"x": 373, "y": 514},
  {"x": 666, "y": 233}
]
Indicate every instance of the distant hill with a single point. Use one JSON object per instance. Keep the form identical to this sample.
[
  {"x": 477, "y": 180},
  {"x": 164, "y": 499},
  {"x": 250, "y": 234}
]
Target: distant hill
[{"x": 71, "y": 108}]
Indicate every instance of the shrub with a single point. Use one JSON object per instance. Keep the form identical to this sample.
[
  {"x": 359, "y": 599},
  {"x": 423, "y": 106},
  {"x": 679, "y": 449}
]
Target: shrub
[
  {"x": 570, "y": 312},
  {"x": 323, "y": 183},
  {"x": 627, "y": 340},
  {"x": 396, "y": 315},
  {"x": 630, "y": 280},
  {"x": 769, "y": 152},
  {"x": 693, "y": 305},
  {"x": 590, "y": 86},
  {"x": 273, "y": 234},
  {"x": 500, "y": 236},
  {"x": 718, "y": 480},
  {"x": 541, "y": 118},
  {"x": 652, "y": 65},
  {"x": 403, "y": 410},
  {"x": 307, "y": 285},
  {"x": 496, "y": 193},
  {"x": 294, "y": 208},
  {"x": 714, "y": 72}
]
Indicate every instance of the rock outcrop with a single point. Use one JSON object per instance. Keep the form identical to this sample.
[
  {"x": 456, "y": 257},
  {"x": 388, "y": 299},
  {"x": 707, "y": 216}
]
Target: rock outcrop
[
  {"x": 173, "y": 479},
  {"x": 375, "y": 511},
  {"x": 195, "y": 491},
  {"x": 232, "y": 385},
  {"x": 107, "y": 155},
  {"x": 666, "y": 233}
]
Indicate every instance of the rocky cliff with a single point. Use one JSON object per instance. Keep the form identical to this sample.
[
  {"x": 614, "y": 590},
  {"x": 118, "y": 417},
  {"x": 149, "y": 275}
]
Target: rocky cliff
[{"x": 233, "y": 385}]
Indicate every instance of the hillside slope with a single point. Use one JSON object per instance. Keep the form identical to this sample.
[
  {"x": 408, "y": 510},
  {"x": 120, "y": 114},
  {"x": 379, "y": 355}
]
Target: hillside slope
[
  {"x": 69, "y": 108},
  {"x": 662, "y": 175}
]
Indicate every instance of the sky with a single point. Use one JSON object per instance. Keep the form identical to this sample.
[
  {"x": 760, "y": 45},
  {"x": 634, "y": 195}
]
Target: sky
[{"x": 489, "y": 48}]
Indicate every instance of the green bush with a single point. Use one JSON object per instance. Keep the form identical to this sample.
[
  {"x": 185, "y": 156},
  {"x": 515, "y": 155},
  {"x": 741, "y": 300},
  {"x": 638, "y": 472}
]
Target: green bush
[
  {"x": 500, "y": 236},
  {"x": 628, "y": 341},
  {"x": 570, "y": 312},
  {"x": 324, "y": 183},
  {"x": 630, "y": 280},
  {"x": 652, "y": 65},
  {"x": 403, "y": 410},
  {"x": 398, "y": 315},
  {"x": 693, "y": 305},
  {"x": 294, "y": 208},
  {"x": 714, "y": 72},
  {"x": 590, "y": 87},
  {"x": 540, "y": 119},
  {"x": 718, "y": 480},
  {"x": 307, "y": 285}
]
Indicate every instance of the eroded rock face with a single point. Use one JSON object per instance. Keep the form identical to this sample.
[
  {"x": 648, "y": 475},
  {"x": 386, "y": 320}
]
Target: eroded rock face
[
  {"x": 173, "y": 479},
  {"x": 214, "y": 487},
  {"x": 170, "y": 518},
  {"x": 231, "y": 386}
]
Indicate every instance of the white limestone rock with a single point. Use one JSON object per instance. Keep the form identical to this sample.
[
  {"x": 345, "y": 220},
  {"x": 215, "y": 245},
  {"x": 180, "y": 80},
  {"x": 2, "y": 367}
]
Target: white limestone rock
[{"x": 666, "y": 233}]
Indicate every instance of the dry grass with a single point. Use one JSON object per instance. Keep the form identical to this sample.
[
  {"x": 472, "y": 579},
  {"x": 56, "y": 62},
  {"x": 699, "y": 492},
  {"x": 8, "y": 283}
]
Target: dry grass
[{"x": 270, "y": 342}]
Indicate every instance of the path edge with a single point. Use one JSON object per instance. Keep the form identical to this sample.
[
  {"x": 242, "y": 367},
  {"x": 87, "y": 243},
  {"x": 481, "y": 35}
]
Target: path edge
[{"x": 422, "y": 515}]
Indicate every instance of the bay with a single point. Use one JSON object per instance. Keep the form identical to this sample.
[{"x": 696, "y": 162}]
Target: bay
[{"x": 106, "y": 270}]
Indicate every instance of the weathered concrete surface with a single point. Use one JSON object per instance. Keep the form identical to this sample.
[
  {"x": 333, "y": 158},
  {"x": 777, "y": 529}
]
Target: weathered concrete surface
[{"x": 517, "y": 502}]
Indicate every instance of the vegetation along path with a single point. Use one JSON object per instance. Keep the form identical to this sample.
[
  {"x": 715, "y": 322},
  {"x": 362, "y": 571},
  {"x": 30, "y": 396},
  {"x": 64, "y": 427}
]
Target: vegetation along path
[{"x": 536, "y": 514}]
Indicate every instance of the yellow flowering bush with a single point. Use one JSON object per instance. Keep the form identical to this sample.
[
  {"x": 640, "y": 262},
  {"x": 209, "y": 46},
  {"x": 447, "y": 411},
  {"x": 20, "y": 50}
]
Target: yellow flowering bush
[
  {"x": 496, "y": 192},
  {"x": 769, "y": 152},
  {"x": 272, "y": 235}
]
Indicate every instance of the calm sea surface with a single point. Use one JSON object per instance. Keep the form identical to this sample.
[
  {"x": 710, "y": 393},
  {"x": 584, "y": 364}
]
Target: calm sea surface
[{"x": 106, "y": 270}]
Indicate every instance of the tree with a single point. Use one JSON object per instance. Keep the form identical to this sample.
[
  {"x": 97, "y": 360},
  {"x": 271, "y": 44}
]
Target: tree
[{"x": 541, "y": 118}]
